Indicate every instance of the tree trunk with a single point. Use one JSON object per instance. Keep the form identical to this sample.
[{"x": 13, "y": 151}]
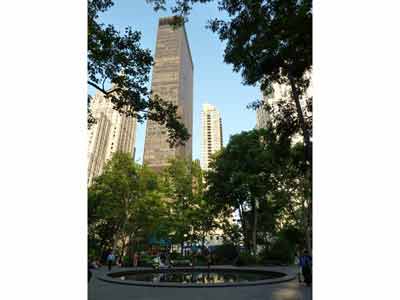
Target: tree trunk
[
  {"x": 124, "y": 246},
  {"x": 306, "y": 134},
  {"x": 118, "y": 236},
  {"x": 306, "y": 228},
  {"x": 309, "y": 227},
  {"x": 254, "y": 229},
  {"x": 308, "y": 157}
]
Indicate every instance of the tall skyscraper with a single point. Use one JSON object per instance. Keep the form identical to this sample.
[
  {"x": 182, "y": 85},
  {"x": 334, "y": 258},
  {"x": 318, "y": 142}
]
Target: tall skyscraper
[
  {"x": 212, "y": 133},
  {"x": 172, "y": 81},
  {"x": 112, "y": 132}
]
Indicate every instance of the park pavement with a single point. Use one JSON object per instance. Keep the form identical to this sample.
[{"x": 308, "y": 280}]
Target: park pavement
[{"x": 291, "y": 290}]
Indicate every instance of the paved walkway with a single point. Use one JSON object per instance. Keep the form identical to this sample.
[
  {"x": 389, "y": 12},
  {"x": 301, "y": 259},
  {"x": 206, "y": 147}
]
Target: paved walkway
[{"x": 292, "y": 290}]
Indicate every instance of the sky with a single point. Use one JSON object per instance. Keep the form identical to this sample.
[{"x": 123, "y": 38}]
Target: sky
[{"x": 214, "y": 81}]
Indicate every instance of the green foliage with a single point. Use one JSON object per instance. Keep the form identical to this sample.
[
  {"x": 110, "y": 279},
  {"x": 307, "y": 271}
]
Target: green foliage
[
  {"x": 247, "y": 259},
  {"x": 117, "y": 58},
  {"x": 225, "y": 254},
  {"x": 175, "y": 256},
  {"x": 146, "y": 261},
  {"x": 293, "y": 235},
  {"x": 181, "y": 263},
  {"x": 283, "y": 247},
  {"x": 190, "y": 216},
  {"x": 124, "y": 202},
  {"x": 181, "y": 8},
  {"x": 243, "y": 175},
  {"x": 261, "y": 174},
  {"x": 132, "y": 203},
  {"x": 200, "y": 260},
  {"x": 267, "y": 40},
  {"x": 281, "y": 251}
]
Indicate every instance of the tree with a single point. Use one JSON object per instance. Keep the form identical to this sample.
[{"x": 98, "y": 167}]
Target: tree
[
  {"x": 112, "y": 196},
  {"x": 177, "y": 182},
  {"x": 149, "y": 212},
  {"x": 240, "y": 178},
  {"x": 191, "y": 216},
  {"x": 125, "y": 205},
  {"x": 203, "y": 214},
  {"x": 260, "y": 174},
  {"x": 293, "y": 187},
  {"x": 118, "y": 59}
]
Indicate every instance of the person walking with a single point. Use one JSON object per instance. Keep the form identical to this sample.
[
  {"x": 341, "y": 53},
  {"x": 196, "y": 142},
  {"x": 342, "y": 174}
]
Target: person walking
[
  {"x": 305, "y": 263},
  {"x": 110, "y": 260},
  {"x": 135, "y": 259},
  {"x": 207, "y": 256}
]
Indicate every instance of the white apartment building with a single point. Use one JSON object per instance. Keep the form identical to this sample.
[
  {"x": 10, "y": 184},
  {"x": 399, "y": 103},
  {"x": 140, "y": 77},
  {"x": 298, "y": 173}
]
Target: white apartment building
[
  {"x": 279, "y": 92},
  {"x": 212, "y": 133},
  {"x": 112, "y": 132}
]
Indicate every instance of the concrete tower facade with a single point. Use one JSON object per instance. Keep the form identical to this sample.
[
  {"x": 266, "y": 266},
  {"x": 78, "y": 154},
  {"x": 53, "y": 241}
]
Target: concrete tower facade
[
  {"x": 173, "y": 81},
  {"x": 212, "y": 133},
  {"x": 112, "y": 133}
]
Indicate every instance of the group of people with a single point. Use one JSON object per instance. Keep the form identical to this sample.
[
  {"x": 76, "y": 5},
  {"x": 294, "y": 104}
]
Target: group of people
[
  {"x": 304, "y": 263},
  {"x": 161, "y": 261},
  {"x": 92, "y": 265},
  {"x": 111, "y": 260}
]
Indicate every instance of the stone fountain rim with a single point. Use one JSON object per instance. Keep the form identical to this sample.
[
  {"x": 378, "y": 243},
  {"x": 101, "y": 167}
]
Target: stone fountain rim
[{"x": 107, "y": 278}]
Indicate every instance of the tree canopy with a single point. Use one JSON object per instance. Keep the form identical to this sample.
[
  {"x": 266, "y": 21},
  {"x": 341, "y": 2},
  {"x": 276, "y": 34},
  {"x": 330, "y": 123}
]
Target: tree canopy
[
  {"x": 124, "y": 203},
  {"x": 260, "y": 174},
  {"x": 129, "y": 205}
]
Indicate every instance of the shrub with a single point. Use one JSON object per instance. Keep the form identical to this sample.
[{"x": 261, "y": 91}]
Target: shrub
[
  {"x": 225, "y": 254},
  {"x": 175, "y": 255},
  {"x": 146, "y": 261},
  {"x": 247, "y": 259},
  {"x": 181, "y": 263},
  {"x": 200, "y": 260},
  {"x": 281, "y": 251},
  {"x": 127, "y": 261}
]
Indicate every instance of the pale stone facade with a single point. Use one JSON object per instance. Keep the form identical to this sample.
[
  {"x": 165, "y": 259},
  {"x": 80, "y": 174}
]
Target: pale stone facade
[
  {"x": 172, "y": 81},
  {"x": 112, "y": 133},
  {"x": 212, "y": 133},
  {"x": 279, "y": 92}
]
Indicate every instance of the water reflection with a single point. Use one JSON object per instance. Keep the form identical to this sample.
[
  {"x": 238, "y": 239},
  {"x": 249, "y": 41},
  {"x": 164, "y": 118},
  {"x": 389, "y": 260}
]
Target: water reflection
[{"x": 198, "y": 277}]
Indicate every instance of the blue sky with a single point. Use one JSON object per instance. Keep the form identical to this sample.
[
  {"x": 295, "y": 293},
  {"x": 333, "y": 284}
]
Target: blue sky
[{"x": 214, "y": 81}]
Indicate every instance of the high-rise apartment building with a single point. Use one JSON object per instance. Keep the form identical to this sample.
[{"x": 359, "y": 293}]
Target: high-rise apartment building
[
  {"x": 112, "y": 133},
  {"x": 262, "y": 117},
  {"x": 212, "y": 133},
  {"x": 172, "y": 81},
  {"x": 279, "y": 92}
]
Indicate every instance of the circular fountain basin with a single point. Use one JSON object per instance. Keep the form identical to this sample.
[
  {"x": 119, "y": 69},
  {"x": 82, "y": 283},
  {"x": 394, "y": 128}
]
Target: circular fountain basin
[{"x": 196, "y": 277}]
